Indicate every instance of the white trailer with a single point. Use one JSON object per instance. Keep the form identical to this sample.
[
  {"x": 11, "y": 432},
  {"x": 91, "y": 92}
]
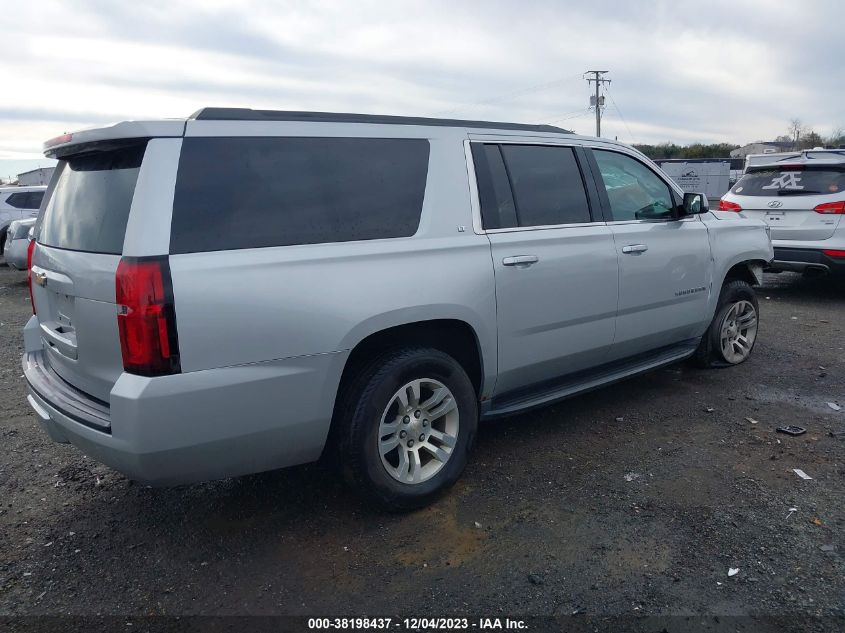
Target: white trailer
[{"x": 712, "y": 177}]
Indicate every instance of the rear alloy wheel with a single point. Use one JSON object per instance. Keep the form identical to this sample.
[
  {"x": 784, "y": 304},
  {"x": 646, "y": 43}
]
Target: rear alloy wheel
[
  {"x": 404, "y": 426},
  {"x": 418, "y": 431}
]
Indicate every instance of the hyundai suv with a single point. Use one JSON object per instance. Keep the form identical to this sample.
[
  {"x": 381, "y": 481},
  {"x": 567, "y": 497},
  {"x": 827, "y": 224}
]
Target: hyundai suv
[
  {"x": 801, "y": 197},
  {"x": 246, "y": 289}
]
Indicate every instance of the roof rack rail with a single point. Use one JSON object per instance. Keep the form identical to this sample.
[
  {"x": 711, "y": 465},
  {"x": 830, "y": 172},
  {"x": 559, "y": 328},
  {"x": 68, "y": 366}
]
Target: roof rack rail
[{"x": 248, "y": 114}]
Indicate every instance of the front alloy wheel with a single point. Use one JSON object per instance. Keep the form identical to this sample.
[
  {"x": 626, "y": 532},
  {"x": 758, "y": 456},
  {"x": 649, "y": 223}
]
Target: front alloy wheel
[{"x": 738, "y": 332}]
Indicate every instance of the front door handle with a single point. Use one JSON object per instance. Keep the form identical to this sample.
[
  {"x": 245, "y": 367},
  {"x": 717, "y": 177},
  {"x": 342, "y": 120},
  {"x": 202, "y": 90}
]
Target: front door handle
[
  {"x": 520, "y": 260},
  {"x": 634, "y": 249}
]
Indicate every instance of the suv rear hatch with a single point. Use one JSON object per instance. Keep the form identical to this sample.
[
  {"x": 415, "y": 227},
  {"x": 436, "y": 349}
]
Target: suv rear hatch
[
  {"x": 79, "y": 244},
  {"x": 798, "y": 202}
]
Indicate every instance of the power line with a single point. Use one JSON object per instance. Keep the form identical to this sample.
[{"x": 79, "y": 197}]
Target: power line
[
  {"x": 569, "y": 115},
  {"x": 599, "y": 100},
  {"x": 507, "y": 95},
  {"x": 619, "y": 112}
]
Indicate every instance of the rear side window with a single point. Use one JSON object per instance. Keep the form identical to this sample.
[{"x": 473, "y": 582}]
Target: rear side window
[
  {"x": 89, "y": 206},
  {"x": 494, "y": 190},
  {"x": 795, "y": 180},
  {"x": 234, "y": 193},
  {"x": 20, "y": 200},
  {"x": 529, "y": 185},
  {"x": 547, "y": 185},
  {"x": 34, "y": 201}
]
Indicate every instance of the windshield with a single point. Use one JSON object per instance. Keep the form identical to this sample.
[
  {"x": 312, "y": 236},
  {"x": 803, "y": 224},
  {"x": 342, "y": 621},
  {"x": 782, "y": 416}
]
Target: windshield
[{"x": 792, "y": 180}]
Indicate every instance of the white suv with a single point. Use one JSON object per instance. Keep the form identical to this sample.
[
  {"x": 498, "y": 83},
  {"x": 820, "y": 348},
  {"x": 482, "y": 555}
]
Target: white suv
[
  {"x": 801, "y": 196},
  {"x": 18, "y": 203}
]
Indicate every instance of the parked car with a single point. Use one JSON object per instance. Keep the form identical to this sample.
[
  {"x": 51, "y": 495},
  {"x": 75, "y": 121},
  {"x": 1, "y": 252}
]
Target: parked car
[
  {"x": 801, "y": 196},
  {"x": 268, "y": 287},
  {"x": 17, "y": 203},
  {"x": 17, "y": 242}
]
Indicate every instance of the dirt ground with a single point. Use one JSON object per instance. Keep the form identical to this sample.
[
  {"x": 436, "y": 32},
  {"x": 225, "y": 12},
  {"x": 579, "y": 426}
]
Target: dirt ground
[{"x": 635, "y": 499}]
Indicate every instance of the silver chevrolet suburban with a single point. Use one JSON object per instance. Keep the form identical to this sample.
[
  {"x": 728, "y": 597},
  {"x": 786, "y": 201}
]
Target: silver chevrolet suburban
[{"x": 246, "y": 289}]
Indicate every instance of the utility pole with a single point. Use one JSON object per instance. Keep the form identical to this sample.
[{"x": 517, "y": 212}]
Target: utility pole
[{"x": 599, "y": 100}]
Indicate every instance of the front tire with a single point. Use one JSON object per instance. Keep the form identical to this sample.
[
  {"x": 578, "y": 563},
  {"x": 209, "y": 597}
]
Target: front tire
[
  {"x": 733, "y": 332},
  {"x": 406, "y": 425}
]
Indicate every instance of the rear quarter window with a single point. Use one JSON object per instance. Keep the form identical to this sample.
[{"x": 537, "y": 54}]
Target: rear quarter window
[
  {"x": 19, "y": 200},
  {"x": 235, "y": 192}
]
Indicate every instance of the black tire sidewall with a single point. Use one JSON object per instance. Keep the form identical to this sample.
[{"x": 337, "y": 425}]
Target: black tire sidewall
[
  {"x": 732, "y": 292},
  {"x": 397, "y": 370}
]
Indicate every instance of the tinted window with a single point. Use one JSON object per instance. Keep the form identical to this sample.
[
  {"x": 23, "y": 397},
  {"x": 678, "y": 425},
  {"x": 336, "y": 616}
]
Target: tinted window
[
  {"x": 791, "y": 181},
  {"x": 253, "y": 192},
  {"x": 494, "y": 190},
  {"x": 89, "y": 206},
  {"x": 34, "y": 200},
  {"x": 18, "y": 200},
  {"x": 21, "y": 230},
  {"x": 547, "y": 185},
  {"x": 634, "y": 191}
]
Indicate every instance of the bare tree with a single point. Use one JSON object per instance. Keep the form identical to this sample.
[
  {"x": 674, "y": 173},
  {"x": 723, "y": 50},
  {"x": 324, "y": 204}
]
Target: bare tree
[{"x": 795, "y": 130}]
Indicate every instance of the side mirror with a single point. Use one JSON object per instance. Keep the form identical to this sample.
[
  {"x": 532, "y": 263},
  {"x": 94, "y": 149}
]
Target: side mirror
[{"x": 695, "y": 203}]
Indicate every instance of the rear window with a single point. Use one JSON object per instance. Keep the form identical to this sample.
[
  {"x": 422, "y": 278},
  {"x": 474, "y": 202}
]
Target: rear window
[
  {"x": 20, "y": 231},
  {"x": 791, "y": 181},
  {"x": 234, "y": 193},
  {"x": 89, "y": 206}
]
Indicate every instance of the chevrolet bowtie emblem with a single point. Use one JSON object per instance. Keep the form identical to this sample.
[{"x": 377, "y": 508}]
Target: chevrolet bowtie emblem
[{"x": 40, "y": 278}]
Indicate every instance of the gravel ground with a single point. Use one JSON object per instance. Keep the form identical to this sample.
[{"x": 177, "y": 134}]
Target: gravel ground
[{"x": 634, "y": 499}]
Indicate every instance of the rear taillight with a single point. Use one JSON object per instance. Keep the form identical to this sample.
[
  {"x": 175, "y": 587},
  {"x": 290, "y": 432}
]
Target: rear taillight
[
  {"x": 837, "y": 208},
  {"x": 832, "y": 252},
  {"x": 725, "y": 205},
  {"x": 146, "y": 319},
  {"x": 29, "y": 251}
]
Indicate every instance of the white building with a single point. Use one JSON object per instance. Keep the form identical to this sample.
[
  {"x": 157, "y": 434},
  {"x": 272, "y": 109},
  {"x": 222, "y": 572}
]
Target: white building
[
  {"x": 762, "y": 147},
  {"x": 40, "y": 176}
]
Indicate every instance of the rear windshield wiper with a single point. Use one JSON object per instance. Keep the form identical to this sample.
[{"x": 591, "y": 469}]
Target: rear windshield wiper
[{"x": 796, "y": 192}]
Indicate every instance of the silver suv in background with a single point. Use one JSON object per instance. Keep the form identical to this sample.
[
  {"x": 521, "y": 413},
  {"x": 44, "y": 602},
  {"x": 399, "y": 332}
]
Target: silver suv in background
[
  {"x": 801, "y": 197},
  {"x": 17, "y": 243},
  {"x": 268, "y": 287},
  {"x": 18, "y": 203}
]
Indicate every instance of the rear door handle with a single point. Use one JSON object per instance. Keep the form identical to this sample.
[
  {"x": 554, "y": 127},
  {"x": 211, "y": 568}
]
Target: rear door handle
[
  {"x": 634, "y": 249},
  {"x": 520, "y": 260}
]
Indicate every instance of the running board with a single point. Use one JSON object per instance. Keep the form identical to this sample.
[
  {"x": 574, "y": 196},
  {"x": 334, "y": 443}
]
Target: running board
[{"x": 574, "y": 384}]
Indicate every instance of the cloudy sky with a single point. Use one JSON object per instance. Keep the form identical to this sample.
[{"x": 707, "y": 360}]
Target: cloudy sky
[{"x": 682, "y": 70}]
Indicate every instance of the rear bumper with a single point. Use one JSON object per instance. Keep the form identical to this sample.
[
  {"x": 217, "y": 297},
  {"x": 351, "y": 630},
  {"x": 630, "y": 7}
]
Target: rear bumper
[
  {"x": 806, "y": 260},
  {"x": 200, "y": 425}
]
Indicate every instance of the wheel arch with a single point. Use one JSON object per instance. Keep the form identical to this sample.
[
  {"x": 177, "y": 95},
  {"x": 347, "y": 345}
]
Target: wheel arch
[
  {"x": 749, "y": 270},
  {"x": 455, "y": 337}
]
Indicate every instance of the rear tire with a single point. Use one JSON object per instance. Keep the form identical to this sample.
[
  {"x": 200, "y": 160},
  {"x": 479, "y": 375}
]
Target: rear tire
[
  {"x": 732, "y": 333},
  {"x": 405, "y": 426}
]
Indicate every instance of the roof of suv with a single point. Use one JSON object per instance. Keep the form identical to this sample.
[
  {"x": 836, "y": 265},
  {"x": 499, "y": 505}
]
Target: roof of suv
[
  {"x": 248, "y": 114},
  {"x": 804, "y": 157}
]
